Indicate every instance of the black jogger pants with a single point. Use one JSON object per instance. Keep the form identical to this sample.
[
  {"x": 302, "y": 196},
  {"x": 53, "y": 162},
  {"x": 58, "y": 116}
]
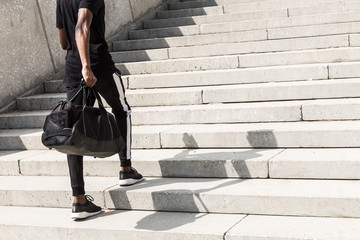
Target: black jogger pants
[{"x": 112, "y": 89}]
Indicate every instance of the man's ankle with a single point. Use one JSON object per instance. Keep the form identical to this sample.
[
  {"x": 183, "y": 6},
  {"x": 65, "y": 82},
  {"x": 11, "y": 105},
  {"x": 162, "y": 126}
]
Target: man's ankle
[
  {"x": 125, "y": 169},
  {"x": 80, "y": 199}
]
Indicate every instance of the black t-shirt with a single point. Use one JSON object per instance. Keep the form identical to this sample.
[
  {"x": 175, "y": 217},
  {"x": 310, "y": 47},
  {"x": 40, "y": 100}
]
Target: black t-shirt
[{"x": 100, "y": 58}]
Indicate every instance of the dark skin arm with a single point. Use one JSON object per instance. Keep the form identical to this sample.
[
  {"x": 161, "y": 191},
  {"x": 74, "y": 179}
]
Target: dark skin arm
[
  {"x": 63, "y": 41},
  {"x": 82, "y": 38}
]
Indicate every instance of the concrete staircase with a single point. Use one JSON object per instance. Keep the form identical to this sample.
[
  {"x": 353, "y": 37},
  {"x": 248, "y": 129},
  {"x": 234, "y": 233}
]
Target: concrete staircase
[{"x": 246, "y": 121}]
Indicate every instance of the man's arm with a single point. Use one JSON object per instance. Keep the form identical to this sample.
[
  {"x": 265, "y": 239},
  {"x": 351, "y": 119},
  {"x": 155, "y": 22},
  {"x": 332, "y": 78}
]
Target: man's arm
[
  {"x": 63, "y": 41},
  {"x": 82, "y": 38}
]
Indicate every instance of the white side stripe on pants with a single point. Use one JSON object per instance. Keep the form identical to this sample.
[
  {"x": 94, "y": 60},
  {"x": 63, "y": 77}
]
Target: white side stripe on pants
[{"x": 126, "y": 108}]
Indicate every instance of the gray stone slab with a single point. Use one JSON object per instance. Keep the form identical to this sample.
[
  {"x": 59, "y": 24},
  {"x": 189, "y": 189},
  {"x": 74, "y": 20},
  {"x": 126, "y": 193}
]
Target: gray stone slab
[
  {"x": 197, "y": 20},
  {"x": 341, "y": 88},
  {"x": 180, "y": 65},
  {"x": 344, "y": 70},
  {"x": 54, "y": 86},
  {"x": 310, "y": 31},
  {"x": 30, "y": 139},
  {"x": 47, "y": 191},
  {"x": 332, "y": 109},
  {"x": 190, "y": 40},
  {"x": 295, "y": 228},
  {"x": 164, "y": 32},
  {"x": 140, "y": 8},
  {"x": 140, "y": 55},
  {"x": 9, "y": 161},
  {"x": 40, "y": 223},
  {"x": 192, "y": 4},
  {"x": 231, "y": 76},
  {"x": 164, "y": 97},
  {"x": 268, "y": 5},
  {"x": 354, "y": 40},
  {"x": 219, "y": 113},
  {"x": 325, "y": 8},
  {"x": 337, "y": 198},
  {"x": 279, "y": 22},
  {"x": 263, "y": 135},
  {"x": 216, "y": 10},
  {"x": 260, "y": 46},
  {"x": 27, "y": 119},
  {"x": 237, "y": 163},
  {"x": 40, "y": 101},
  {"x": 21, "y": 139},
  {"x": 339, "y": 163},
  {"x": 330, "y": 55}
]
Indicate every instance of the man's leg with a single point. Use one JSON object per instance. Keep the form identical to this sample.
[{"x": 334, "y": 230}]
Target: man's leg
[
  {"x": 75, "y": 162},
  {"x": 112, "y": 89},
  {"x": 82, "y": 206}
]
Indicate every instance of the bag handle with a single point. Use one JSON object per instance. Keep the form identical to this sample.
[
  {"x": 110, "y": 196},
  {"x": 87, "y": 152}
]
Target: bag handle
[{"x": 101, "y": 106}]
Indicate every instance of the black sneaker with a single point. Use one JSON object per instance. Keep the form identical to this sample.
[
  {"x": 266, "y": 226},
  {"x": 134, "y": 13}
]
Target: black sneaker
[
  {"x": 130, "y": 178},
  {"x": 80, "y": 211}
]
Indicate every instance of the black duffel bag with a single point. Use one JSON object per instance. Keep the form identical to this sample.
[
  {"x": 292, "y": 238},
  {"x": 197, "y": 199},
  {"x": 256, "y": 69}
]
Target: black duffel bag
[{"x": 81, "y": 129}]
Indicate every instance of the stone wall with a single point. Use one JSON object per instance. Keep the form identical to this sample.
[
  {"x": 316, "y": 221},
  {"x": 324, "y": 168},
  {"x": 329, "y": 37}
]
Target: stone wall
[{"x": 29, "y": 45}]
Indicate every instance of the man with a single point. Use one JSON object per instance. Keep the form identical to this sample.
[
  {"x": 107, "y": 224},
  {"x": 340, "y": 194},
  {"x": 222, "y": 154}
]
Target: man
[{"x": 81, "y": 26}]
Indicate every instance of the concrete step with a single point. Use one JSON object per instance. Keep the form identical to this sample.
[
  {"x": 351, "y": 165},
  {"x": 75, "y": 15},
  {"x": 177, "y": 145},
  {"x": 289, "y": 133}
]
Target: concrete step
[
  {"x": 342, "y": 70},
  {"x": 179, "y": 65},
  {"x": 338, "y": 198},
  {"x": 230, "y": 76},
  {"x": 216, "y": 163},
  {"x": 142, "y": 44},
  {"x": 215, "y": 10},
  {"x": 197, "y": 20},
  {"x": 332, "y": 109},
  {"x": 170, "y": 225},
  {"x": 245, "y": 4},
  {"x": 284, "y": 111},
  {"x": 54, "y": 86},
  {"x": 331, "y": 55},
  {"x": 314, "y": 163},
  {"x": 325, "y": 8},
  {"x": 277, "y": 45},
  {"x": 133, "y": 225},
  {"x": 39, "y": 223},
  {"x": 257, "y": 92},
  {"x": 46, "y": 101},
  {"x": 250, "y": 135},
  {"x": 260, "y": 24},
  {"x": 213, "y": 113},
  {"x": 336, "y": 163},
  {"x": 322, "y": 8},
  {"x": 30, "y": 138},
  {"x": 259, "y": 46},
  {"x": 259, "y": 135},
  {"x": 270, "y": 5},
  {"x": 343, "y": 88},
  {"x": 318, "y": 30},
  {"x": 295, "y": 228}
]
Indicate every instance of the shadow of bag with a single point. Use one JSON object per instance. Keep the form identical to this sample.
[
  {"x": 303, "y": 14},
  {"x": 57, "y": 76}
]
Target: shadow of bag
[{"x": 81, "y": 129}]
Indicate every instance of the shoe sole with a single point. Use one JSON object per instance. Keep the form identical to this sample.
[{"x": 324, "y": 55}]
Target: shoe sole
[
  {"x": 82, "y": 215},
  {"x": 129, "y": 182}
]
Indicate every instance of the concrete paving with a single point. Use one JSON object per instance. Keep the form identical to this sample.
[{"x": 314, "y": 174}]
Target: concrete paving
[
  {"x": 217, "y": 163},
  {"x": 180, "y": 41},
  {"x": 295, "y": 228},
  {"x": 338, "y": 163},
  {"x": 40, "y": 223},
  {"x": 230, "y": 76}
]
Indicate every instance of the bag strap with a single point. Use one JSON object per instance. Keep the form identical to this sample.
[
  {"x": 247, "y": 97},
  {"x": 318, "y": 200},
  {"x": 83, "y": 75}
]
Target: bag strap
[{"x": 101, "y": 107}]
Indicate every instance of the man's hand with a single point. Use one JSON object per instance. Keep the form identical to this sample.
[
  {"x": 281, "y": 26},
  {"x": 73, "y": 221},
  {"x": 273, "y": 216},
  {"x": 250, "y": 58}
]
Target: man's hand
[{"x": 88, "y": 77}]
